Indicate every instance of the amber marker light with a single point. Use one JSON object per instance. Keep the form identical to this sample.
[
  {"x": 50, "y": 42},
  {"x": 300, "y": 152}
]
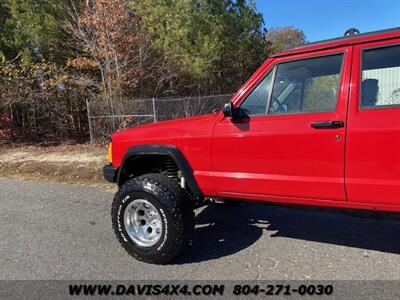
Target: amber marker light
[{"x": 109, "y": 152}]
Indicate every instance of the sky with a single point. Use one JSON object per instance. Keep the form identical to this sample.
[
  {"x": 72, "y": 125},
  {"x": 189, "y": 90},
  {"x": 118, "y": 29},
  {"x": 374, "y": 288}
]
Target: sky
[{"x": 324, "y": 19}]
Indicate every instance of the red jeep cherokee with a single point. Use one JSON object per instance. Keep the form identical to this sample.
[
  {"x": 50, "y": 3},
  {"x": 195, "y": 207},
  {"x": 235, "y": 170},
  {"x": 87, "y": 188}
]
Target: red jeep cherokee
[{"x": 317, "y": 125}]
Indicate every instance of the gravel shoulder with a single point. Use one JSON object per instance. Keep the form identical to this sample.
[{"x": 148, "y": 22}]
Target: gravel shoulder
[{"x": 74, "y": 164}]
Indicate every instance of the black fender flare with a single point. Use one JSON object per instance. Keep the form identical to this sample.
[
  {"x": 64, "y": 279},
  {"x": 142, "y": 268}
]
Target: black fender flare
[{"x": 167, "y": 150}]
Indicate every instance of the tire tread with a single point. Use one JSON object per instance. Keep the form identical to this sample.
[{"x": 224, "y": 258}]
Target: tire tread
[{"x": 171, "y": 197}]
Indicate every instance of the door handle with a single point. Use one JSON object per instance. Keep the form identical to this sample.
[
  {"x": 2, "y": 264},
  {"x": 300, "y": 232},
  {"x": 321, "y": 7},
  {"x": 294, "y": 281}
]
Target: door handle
[{"x": 327, "y": 124}]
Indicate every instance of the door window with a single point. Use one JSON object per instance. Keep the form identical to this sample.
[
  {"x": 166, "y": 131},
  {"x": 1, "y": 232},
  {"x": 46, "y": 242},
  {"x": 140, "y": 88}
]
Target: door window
[
  {"x": 256, "y": 102},
  {"x": 309, "y": 85},
  {"x": 380, "y": 85}
]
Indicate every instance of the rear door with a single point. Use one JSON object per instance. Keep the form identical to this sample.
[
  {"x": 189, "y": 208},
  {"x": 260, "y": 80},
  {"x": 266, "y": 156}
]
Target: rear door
[
  {"x": 373, "y": 144},
  {"x": 292, "y": 143}
]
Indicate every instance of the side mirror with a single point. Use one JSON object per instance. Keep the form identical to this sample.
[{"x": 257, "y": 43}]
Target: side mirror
[
  {"x": 228, "y": 110},
  {"x": 234, "y": 112}
]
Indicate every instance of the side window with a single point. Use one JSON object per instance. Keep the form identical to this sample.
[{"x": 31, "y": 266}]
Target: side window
[
  {"x": 256, "y": 102},
  {"x": 380, "y": 85},
  {"x": 309, "y": 85}
]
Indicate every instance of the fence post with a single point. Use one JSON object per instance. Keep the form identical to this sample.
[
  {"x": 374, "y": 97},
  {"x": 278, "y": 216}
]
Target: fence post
[
  {"x": 89, "y": 121},
  {"x": 154, "y": 110}
]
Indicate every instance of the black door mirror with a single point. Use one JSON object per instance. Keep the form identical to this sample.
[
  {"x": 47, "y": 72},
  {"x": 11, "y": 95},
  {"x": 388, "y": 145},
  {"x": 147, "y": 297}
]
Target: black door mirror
[
  {"x": 228, "y": 110},
  {"x": 234, "y": 112}
]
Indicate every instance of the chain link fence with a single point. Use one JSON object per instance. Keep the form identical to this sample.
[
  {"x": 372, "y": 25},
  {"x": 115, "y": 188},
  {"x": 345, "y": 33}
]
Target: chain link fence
[{"x": 106, "y": 117}]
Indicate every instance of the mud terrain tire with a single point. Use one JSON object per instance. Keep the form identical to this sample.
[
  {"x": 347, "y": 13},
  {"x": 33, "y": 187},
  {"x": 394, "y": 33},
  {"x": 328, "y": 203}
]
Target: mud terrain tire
[{"x": 164, "y": 196}]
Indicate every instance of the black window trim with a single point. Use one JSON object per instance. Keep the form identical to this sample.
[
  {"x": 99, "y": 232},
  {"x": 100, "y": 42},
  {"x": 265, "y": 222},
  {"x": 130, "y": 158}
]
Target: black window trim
[
  {"x": 274, "y": 68},
  {"x": 272, "y": 71},
  {"x": 360, "y": 107}
]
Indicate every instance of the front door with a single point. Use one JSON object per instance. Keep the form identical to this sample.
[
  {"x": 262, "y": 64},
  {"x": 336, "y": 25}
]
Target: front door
[
  {"x": 292, "y": 142},
  {"x": 373, "y": 147}
]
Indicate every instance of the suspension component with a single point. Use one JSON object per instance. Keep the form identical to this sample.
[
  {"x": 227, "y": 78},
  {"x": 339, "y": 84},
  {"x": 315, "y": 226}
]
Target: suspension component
[{"x": 172, "y": 169}]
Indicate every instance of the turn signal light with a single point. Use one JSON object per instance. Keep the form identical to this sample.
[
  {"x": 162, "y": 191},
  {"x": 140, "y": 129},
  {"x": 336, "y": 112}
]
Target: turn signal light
[{"x": 110, "y": 153}]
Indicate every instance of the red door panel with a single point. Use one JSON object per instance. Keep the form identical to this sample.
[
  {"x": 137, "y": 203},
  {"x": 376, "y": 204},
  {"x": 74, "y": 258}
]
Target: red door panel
[
  {"x": 282, "y": 155},
  {"x": 373, "y": 143}
]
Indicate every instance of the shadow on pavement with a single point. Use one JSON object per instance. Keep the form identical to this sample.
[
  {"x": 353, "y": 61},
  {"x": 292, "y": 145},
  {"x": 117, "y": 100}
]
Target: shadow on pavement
[{"x": 224, "y": 231}]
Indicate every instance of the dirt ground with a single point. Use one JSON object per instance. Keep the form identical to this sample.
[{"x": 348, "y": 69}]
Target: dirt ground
[{"x": 74, "y": 164}]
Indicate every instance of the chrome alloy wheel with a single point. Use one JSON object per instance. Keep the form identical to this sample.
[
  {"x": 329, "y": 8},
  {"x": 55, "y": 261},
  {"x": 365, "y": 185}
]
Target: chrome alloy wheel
[{"x": 143, "y": 223}]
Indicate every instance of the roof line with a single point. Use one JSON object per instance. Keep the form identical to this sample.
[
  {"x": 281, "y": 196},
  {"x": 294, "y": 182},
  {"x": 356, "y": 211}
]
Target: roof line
[{"x": 338, "y": 39}]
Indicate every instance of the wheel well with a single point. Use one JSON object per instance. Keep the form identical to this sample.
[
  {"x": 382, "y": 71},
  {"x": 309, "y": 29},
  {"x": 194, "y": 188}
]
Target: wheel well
[
  {"x": 164, "y": 159},
  {"x": 137, "y": 165}
]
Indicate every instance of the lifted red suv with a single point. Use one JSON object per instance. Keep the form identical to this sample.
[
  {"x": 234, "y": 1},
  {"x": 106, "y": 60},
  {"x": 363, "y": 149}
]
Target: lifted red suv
[{"x": 317, "y": 125}]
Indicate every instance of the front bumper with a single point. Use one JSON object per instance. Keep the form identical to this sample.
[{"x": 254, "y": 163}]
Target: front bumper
[{"x": 110, "y": 173}]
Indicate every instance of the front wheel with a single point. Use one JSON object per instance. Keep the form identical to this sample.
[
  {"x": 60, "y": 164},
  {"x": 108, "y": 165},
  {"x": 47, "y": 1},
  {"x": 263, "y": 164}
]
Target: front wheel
[{"x": 151, "y": 219}]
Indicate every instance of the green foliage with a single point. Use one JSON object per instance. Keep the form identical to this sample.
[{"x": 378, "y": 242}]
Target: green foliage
[
  {"x": 29, "y": 27},
  {"x": 54, "y": 53},
  {"x": 321, "y": 92},
  {"x": 179, "y": 27},
  {"x": 243, "y": 37},
  {"x": 211, "y": 45},
  {"x": 211, "y": 39}
]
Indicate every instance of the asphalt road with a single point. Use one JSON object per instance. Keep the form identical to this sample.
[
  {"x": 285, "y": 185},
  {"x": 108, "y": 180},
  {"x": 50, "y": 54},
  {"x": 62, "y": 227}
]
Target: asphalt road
[{"x": 58, "y": 231}]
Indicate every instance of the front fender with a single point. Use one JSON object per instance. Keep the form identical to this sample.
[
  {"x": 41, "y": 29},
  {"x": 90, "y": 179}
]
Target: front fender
[{"x": 168, "y": 150}]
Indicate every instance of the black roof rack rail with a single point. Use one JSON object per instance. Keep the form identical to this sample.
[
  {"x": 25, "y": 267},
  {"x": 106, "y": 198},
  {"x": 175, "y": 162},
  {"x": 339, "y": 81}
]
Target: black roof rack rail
[
  {"x": 353, "y": 36},
  {"x": 349, "y": 34}
]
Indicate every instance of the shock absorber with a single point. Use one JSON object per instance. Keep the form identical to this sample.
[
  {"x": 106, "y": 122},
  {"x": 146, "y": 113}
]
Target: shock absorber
[{"x": 172, "y": 169}]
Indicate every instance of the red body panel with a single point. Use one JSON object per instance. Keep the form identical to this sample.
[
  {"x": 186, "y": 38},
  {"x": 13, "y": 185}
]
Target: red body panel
[
  {"x": 192, "y": 136},
  {"x": 373, "y": 145},
  {"x": 281, "y": 158},
  {"x": 282, "y": 155}
]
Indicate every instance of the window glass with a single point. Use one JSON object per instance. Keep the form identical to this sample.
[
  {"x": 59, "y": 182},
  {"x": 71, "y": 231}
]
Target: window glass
[
  {"x": 309, "y": 85},
  {"x": 380, "y": 85},
  {"x": 256, "y": 101}
]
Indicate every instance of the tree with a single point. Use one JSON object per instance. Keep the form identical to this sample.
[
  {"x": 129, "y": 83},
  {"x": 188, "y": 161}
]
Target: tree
[
  {"x": 55, "y": 53},
  {"x": 107, "y": 34},
  {"x": 179, "y": 28},
  {"x": 285, "y": 38},
  {"x": 41, "y": 98},
  {"x": 215, "y": 42},
  {"x": 28, "y": 28},
  {"x": 109, "y": 37},
  {"x": 244, "y": 44},
  {"x": 43, "y": 101}
]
